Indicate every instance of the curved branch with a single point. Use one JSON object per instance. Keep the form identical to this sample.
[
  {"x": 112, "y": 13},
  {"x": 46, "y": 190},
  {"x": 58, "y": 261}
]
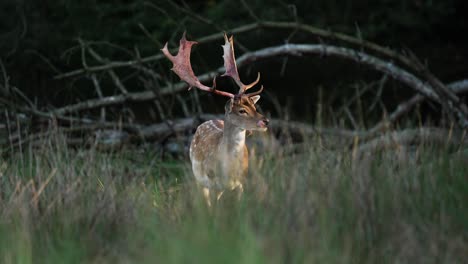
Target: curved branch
[
  {"x": 287, "y": 49},
  {"x": 131, "y": 97},
  {"x": 346, "y": 53},
  {"x": 120, "y": 64},
  {"x": 325, "y": 34},
  {"x": 403, "y": 108}
]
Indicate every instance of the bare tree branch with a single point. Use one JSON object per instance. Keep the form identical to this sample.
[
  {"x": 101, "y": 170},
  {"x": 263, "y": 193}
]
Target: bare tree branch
[
  {"x": 135, "y": 97},
  {"x": 346, "y": 53},
  {"x": 323, "y": 34},
  {"x": 120, "y": 64},
  {"x": 449, "y": 99},
  {"x": 111, "y": 72},
  {"x": 457, "y": 87},
  {"x": 97, "y": 86},
  {"x": 287, "y": 49},
  {"x": 397, "y": 139},
  {"x": 330, "y": 35},
  {"x": 5, "y": 87}
]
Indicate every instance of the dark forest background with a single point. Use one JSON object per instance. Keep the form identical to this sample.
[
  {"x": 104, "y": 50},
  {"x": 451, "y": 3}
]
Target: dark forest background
[
  {"x": 38, "y": 39},
  {"x": 42, "y": 41}
]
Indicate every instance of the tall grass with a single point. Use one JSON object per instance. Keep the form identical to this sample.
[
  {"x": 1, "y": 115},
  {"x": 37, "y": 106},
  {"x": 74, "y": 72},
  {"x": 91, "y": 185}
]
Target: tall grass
[{"x": 62, "y": 205}]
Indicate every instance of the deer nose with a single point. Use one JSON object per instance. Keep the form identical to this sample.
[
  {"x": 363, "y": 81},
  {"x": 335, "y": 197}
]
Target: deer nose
[{"x": 263, "y": 123}]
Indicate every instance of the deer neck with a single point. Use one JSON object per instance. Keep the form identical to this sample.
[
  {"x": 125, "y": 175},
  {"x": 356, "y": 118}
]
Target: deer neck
[{"x": 233, "y": 140}]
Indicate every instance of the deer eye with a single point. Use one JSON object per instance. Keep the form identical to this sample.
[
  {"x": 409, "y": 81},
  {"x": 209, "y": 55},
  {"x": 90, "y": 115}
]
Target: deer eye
[{"x": 242, "y": 111}]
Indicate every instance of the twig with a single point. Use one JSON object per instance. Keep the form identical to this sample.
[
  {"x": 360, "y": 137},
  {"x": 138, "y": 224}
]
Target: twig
[
  {"x": 48, "y": 115},
  {"x": 120, "y": 64},
  {"x": 148, "y": 35},
  {"x": 186, "y": 9},
  {"x": 83, "y": 54},
  {"x": 403, "y": 108},
  {"x": 111, "y": 72},
  {"x": 351, "y": 117},
  {"x": 161, "y": 10},
  {"x": 413, "y": 136},
  {"x": 5, "y": 87},
  {"x": 23, "y": 96},
  {"x": 350, "y": 101},
  {"x": 18, "y": 140},
  {"x": 198, "y": 106},
  {"x": 324, "y": 34},
  {"x": 378, "y": 96},
  {"x": 450, "y": 100},
  {"x": 250, "y": 11},
  {"x": 97, "y": 86},
  {"x": 287, "y": 49},
  {"x": 45, "y": 59},
  {"x": 183, "y": 104},
  {"x": 358, "y": 57},
  {"x": 160, "y": 109}
]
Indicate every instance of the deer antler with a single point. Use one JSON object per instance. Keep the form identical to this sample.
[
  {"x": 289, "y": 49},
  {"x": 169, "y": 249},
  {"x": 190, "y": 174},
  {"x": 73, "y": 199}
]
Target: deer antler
[
  {"x": 183, "y": 68},
  {"x": 231, "y": 66}
]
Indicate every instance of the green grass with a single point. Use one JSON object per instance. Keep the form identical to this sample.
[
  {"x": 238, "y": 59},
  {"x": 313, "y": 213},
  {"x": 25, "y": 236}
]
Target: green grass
[{"x": 61, "y": 205}]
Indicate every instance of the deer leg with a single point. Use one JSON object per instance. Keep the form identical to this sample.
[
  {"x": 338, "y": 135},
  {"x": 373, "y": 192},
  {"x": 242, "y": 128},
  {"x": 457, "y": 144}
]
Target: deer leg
[
  {"x": 206, "y": 193},
  {"x": 240, "y": 191},
  {"x": 219, "y": 195},
  {"x": 239, "y": 188}
]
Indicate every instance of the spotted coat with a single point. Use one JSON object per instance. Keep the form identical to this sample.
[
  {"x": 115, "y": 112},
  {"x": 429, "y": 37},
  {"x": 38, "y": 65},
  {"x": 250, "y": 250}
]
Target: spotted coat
[{"x": 223, "y": 166}]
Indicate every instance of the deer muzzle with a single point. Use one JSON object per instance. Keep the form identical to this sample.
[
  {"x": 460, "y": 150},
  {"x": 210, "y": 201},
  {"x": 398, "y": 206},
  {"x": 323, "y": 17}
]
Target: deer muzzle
[{"x": 263, "y": 123}]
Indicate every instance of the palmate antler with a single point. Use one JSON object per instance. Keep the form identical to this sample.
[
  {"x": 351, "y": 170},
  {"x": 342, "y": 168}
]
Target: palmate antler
[
  {"x": 231, "y": 66},
  {"x": 183, "y": 68}
]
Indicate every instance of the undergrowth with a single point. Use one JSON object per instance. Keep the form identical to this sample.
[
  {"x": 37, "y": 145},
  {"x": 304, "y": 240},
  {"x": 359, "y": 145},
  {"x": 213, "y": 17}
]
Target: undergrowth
[{"x": 63, "y": 205}]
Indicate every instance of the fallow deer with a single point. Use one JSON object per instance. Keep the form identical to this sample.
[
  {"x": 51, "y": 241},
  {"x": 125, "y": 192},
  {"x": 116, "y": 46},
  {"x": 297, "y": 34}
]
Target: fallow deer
[{"x": 218, "y": 152}]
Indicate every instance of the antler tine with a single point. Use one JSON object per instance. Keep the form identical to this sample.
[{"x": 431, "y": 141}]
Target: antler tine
[
  {"x": 246, "y": 87},
  {"x": 183, "y": 68},
  {"x": 231, "y": 66},
  {"x": 254, "y": 93}
]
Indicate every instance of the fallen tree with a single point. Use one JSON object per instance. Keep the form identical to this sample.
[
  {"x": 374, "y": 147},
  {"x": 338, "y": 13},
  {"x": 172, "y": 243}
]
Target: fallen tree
[{"x": 79, "y": 122}]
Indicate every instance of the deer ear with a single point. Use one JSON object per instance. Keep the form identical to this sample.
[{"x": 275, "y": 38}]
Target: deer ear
[
  {"x": 255, "y": 98},
  {"x": 228, "y": 106}
]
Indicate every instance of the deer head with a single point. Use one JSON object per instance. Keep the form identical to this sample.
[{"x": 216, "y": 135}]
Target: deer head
[
  {"x": 240, "y": 109},
  {"x": 243, "y": 113}
]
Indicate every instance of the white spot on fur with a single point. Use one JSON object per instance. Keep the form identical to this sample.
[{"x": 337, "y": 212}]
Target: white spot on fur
[{"x": 214, "y": 126}]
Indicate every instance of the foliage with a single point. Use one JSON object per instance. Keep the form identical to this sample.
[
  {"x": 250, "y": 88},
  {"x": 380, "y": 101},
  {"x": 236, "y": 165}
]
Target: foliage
[{"x": 64, "y": 205}]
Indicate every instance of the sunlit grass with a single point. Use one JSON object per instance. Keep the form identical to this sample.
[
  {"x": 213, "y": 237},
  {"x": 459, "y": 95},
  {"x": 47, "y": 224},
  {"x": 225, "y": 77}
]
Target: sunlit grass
[{"x": 61, "y": 205}]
